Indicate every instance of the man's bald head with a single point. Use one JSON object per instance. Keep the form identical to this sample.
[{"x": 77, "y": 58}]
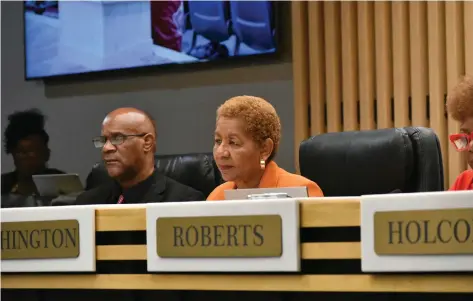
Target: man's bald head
[
  {"x": 133, "y": 119},
  {"x": 130, "y": 136}
]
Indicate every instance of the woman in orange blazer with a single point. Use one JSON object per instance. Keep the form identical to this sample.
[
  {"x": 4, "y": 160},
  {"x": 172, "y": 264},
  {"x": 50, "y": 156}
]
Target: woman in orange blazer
[
  {"x": 247, "y": 135},
  {"x": 460, "y": 108}
]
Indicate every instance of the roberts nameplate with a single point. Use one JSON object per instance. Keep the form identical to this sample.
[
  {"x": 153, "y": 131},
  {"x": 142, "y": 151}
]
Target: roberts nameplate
[
  {"x": 219, "y": 236},
  {"x": 40, "y": 239},
  {"x": 423, "y": 232}
]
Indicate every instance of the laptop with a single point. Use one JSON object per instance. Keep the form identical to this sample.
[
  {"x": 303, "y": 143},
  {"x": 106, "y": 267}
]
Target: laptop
[
  {"x": 59, "y": 184},
  {"x": 266, "y": 193}
]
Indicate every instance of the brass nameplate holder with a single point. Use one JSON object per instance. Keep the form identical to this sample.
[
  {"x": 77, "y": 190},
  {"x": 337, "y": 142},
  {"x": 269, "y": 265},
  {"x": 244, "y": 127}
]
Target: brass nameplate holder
[
  {"x": 424, "y": 232},
  {"x": 219, "y": 236},
  {"x": 40, "y": 239}
]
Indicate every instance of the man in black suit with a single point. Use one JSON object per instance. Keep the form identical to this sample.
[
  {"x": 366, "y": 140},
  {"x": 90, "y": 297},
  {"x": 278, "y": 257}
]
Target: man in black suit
[{"x": 128, "y": 144}]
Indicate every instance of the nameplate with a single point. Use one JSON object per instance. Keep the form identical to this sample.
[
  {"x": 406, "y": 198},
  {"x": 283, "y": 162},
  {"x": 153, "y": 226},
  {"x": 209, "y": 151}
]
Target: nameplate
[
  {"x": 48, "y": 239},
  {"x": 220, "y": 236},
  {"x": 420, "y": 232},
  {"x": 40, "y": 239},
  {"x": 417, "y": 232},
  {"x": 225, "y": 236}
]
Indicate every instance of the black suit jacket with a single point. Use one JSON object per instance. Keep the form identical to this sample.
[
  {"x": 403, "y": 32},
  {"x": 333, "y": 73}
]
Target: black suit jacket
[{"x": 157, "y": 188}]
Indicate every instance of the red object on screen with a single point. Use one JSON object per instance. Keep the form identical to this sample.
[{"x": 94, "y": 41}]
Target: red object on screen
[
  {"x": 464, "y": 181},
  {"x": 164, "y": 30}
]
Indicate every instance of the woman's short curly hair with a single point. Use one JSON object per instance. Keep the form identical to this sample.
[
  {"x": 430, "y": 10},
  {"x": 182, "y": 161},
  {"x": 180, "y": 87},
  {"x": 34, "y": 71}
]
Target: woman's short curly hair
[
  {"x": 460, "y": 100},
  {"x": 262, "y": 121}
]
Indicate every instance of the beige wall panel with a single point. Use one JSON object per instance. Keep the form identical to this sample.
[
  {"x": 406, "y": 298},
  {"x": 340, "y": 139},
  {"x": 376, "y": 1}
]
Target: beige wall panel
[
  {"x": 317, "y": 68},
  {"x": 401, "y": 63},
  {"x": 300, "y": 62},
  {"x": 333, "y": 65},
  {"x": 419, "y": 62},
  {"x": 366, "y": 67},
  {"x": 384, "y": 74},
  {"x": 350, "y": 66}
]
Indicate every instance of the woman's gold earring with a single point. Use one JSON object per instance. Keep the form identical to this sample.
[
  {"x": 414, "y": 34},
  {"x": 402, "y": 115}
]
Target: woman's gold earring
[{"x": 262, "y": 163}]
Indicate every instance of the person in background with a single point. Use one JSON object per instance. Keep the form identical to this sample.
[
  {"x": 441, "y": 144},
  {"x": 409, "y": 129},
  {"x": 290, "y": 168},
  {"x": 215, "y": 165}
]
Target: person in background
[
  {"x": 27, "y": 141},
  {"x": 460, "y": 108},
  {"x": 128, "y": 144},
  {"x": 167, "y": 23},
  {"x": 247, "y": 136}
]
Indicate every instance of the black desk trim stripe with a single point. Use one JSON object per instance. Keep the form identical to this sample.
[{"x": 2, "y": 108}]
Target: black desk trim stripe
[
  {"x": 114, "y": 238},
  {"x": 308, "y": 267},
  {"x": 319, "y": 234},
  {"x": 45, "y": 294}
]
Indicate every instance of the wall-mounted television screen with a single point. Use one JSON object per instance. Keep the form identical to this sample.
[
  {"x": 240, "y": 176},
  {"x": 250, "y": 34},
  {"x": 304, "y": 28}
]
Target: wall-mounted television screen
[{"x": 74, "y": 37}]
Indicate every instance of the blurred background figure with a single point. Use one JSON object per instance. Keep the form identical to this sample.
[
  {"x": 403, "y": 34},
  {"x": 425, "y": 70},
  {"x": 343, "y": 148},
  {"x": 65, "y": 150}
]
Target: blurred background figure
[
  {"x": 46, "y": 8},
  {"x": 167, "y": 23},
  {"x": 27, "y": 141},
  {"x": 460, "y": 108}
]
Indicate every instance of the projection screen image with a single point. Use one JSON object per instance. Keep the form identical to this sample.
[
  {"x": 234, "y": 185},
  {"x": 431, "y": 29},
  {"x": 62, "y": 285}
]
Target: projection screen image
[{"x": 72, "y": 37}]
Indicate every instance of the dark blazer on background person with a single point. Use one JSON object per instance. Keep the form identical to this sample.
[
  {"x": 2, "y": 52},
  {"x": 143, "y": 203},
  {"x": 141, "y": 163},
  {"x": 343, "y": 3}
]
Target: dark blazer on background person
[
  {"x": 12, "y": 199},
  {"x": 155, "y": 189},
  {"x": 10, "y": 179}
]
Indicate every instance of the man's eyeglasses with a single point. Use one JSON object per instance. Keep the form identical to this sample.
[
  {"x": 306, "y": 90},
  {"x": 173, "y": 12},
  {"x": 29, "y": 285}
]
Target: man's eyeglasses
[
  {"x": 99, "y": 142},
  {"x": 462, "y": 141}
]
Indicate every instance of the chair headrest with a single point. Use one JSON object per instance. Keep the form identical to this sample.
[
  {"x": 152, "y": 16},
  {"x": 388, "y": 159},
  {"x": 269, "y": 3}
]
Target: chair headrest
[
  {"x": 429, "y": 174},
  {"x": 358, "y": 162},
  {"x": 198, "y": 171},
  {"x": 194, "y": 170}
]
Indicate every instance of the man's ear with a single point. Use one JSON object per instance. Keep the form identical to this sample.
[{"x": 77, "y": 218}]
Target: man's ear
[
  {"x": 267, "y": 149},
  {"x": 150, "y": 143}
]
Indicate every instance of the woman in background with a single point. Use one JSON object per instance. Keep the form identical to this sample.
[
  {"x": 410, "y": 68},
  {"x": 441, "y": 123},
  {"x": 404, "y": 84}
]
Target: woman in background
[
  {"x": 27, "y": 141},
  {"x": 460, "y": 108},
  {"x": 247, "y": 136}
]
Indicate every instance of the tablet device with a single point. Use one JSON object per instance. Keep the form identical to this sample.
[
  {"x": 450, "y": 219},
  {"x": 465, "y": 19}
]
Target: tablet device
[
  {"x": 56, "y": 185},
  {"x": 266, "y": 193}
]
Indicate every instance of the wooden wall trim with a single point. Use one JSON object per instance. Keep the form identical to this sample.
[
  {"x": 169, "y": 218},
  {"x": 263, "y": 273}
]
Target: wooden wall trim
[
  {"x": 382, "y": 64},
  {"x": 300, "y": 61}
]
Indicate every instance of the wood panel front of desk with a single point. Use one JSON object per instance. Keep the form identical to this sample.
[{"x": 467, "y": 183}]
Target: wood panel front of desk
[{"x": 331, "y": 263}]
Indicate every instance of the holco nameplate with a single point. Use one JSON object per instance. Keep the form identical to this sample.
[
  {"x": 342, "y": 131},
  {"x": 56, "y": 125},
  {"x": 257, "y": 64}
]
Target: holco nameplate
[
  {"x": 219, "y": 236},
  {"x": 442, "y": 231},
  {"x": 417, "y": 232},
  {"x": 40, "y": 239}
]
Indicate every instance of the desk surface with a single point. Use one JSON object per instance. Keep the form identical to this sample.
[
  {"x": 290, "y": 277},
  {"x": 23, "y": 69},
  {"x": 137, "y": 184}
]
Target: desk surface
[{"x": 331, "y": 260}]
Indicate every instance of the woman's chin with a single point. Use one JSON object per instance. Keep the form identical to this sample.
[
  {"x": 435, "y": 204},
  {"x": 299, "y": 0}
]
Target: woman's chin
[{"x": 227, "y": 176}]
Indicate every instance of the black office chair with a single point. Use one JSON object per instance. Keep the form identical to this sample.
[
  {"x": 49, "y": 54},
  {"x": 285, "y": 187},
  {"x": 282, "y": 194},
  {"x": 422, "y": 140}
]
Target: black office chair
[
  {"x": 197, "y": 170},
  {"x": 373, "y": 162},
  {"x": 253, "y": 24}
]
